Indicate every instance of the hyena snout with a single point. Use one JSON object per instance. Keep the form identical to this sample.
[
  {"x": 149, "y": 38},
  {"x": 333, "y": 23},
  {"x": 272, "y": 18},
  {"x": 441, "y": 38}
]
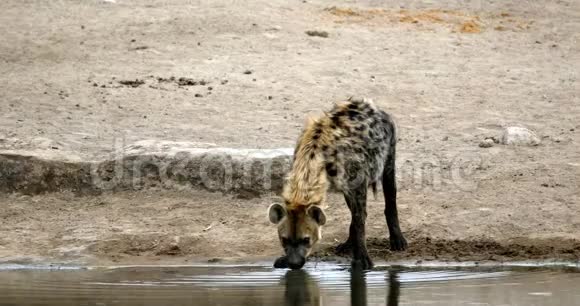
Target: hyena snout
[{"x": 295, "y": 260}]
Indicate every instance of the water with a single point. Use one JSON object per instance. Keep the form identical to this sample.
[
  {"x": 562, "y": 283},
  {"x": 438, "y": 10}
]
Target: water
[{"x": 323, "y": 284}]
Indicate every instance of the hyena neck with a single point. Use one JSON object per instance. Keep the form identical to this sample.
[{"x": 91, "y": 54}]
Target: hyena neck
[{"x": 307, "y": 182}]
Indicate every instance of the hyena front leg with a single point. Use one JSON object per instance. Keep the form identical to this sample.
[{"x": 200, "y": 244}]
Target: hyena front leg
[
  {"x": 357, "y": 201},
  {"x": 346, "y": 247}
]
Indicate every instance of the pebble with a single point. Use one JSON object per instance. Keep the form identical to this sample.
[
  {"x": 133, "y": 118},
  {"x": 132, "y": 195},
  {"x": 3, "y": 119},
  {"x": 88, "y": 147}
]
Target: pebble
[{"x": 486, "y": 143}]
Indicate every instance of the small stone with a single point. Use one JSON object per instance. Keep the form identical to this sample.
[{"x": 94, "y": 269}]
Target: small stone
[
  {"x": 248, "y": 72},
  {"x": 515, "y": 135},
  {"x": 210, "y": 88},
  {"x": 270, "y": 97},
  {"x": 198, "y": 95},
  {"x": 486, "y": 143},
  {"x": 317, "y": 33},
  {"x": 445, "y": 138}
]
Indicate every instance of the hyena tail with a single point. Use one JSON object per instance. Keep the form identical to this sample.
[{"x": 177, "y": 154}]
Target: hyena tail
[{"x": 373, "y": 186}]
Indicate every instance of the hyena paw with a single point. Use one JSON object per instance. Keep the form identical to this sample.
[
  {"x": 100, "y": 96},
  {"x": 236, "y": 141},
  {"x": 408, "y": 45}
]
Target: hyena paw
[
  {"x": 281, "y": 263},
  {"x": 344, "y": 248},
  {"x": 362, "y": 262},
  {"x": 398, "y": 243}
]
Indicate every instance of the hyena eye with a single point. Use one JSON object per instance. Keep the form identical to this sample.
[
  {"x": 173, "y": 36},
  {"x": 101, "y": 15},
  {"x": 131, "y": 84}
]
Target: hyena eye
[
  {"x": 306, "y": 240},
  {"x": 285, "y": 240}
]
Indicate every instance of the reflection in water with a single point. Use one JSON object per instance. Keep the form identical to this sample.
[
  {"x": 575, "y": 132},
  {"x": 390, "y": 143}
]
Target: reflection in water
[
  {"x": 394, "y": 288},
  {"x": 301, "y": 289},
  {"x": 358, "y": 288},
  {"x": 324, "y": 285}
]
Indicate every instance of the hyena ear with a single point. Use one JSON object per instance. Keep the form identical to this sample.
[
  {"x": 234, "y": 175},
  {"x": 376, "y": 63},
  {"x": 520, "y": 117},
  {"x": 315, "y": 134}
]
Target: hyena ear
[
  {"x": 317, "y": 214},
  {"x": 276, "y": 213}
]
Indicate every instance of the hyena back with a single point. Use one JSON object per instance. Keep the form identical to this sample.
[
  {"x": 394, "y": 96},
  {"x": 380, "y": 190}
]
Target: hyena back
[{"x": 349, "y": 148}]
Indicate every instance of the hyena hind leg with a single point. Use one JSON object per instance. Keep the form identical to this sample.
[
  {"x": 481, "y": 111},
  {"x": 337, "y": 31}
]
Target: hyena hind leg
[{"x": 396, "y": 239}]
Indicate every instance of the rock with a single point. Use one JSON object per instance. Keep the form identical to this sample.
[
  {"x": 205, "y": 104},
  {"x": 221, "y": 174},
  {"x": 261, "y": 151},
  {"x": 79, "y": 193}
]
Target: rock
[
  {"x": 130, "y": 83},
  {"x": 323, "y": 34},
  {"x": 245, "y": 173},
  {"x": 275, "y": 28},
  {"x": 486, "y": 143},
  {"x": 187, "y": 82},
  {"x": 519, "y": 136}
]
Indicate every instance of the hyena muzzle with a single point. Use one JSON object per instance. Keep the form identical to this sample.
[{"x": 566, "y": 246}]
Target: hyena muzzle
[{"x": 350, "y": 148}]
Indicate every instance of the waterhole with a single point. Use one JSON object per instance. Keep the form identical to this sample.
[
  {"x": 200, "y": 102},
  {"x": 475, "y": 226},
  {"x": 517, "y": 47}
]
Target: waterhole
[{"x": 317, "y": 284}]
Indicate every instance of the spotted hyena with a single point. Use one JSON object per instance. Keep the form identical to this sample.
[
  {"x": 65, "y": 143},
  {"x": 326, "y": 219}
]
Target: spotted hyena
[{"x": 351, "y": 148}]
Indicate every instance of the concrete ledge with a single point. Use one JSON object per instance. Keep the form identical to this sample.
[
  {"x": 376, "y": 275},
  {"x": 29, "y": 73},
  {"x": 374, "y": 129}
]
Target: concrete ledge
[{"x": 246, "y": 172}]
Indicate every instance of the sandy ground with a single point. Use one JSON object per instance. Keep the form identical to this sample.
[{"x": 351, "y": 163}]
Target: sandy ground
[
  {"x": 62, "y": 63},
  {"x": 90, "y": 76}
]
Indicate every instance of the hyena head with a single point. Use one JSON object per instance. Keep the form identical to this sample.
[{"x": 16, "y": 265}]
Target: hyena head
[{"x": 299, "y": 229}]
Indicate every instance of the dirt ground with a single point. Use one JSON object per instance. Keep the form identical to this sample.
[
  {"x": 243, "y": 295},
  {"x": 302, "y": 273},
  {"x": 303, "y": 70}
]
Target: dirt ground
[
  {"x": 86, "y": 77},
  {"x": 160, "y": 227}
]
